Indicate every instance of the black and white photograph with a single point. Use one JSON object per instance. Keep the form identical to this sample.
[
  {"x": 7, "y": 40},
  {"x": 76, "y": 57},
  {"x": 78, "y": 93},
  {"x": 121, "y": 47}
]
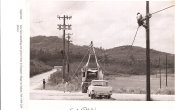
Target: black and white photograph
[
  {"x": 87, "y": 55},
  {"x": 102, "y": 50}
]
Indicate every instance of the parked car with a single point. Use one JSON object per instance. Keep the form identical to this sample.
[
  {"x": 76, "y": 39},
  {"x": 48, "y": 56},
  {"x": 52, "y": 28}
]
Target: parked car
[{"x": 99, "y": 88}]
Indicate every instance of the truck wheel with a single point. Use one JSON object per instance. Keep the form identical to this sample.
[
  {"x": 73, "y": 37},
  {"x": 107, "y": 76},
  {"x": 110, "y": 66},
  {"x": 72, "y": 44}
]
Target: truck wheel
[
  {"x": 92, "y": 96},
  {"x": 84, "y": 90},
  {"x": 109, "y": 96},
  {"x": 100, "y": 97}
]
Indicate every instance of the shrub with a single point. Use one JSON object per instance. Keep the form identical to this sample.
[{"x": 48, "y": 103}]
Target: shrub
[
  {"x": 55, "y": 81},
  {"x": 37, "y": 67}
]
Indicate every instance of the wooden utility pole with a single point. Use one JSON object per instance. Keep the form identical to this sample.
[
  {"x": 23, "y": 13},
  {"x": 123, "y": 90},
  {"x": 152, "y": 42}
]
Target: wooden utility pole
[
  {"x": 68, "y": 54},
  {"x": 166, "y": 71},
  {"x": 160, "y": 72},
  {"x": 64, "y": 27},
  {"x": 104, "y": 60},
  {"x": 147, "y": 54}
]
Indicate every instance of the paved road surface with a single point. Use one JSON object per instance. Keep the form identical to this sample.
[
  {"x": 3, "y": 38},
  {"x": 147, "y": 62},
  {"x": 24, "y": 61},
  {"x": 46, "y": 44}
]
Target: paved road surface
[
  {"x": 36, "y": 82},
  {"x": 60, "y": 95}
]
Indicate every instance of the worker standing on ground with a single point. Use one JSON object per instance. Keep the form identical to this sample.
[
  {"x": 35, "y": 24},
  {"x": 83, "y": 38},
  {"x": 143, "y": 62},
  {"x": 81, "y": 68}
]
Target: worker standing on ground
[
  {"x": 65, "y": 86},
  {"x": 44, "y": 82}
]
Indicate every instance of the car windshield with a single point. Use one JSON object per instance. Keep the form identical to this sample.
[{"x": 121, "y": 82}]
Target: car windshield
[{"x": 99, "y": 83}]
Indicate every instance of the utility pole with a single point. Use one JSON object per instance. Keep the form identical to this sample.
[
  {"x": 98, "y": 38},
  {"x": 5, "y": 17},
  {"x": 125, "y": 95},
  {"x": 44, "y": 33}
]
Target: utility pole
[
  {"x": 104, "y": 59},
  {"x": 64, "y": 27},
  {"x": 147, "y": 54},
  {"x": 160, "y": 72},
  {"x": 68, "y": 54},
  {"x": 166, "y": 71}
]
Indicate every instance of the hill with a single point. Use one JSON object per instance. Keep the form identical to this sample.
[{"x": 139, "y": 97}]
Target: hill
[
  {"x": 118, "y": 60},
  {"x": 134, "y": 59}
]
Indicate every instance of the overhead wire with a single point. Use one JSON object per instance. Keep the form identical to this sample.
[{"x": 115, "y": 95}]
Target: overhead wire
[
  {"x": 135, "y": 36},
  {"x": 151, "y": 14},
  {"x": 80, "y": 64},
  {"x": 130, "y": 49},
  {"x": 133, "y": 39},
  {"x": 139, "y": 26},
  {"x": 162, "y": 9}
]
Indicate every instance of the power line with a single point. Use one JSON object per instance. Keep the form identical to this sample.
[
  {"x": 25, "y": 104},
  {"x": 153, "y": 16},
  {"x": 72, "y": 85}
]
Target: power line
[
  {"x": 130, "y": 49},
  {"x": 83, "y": 59},
  {"x": 162, "y": 9},
  {"x": 81, "y": 63},
  {"x": 151, "y": 14},
  {"x": 135, "y": 36}
]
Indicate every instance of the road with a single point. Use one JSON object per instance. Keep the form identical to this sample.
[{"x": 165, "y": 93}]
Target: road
[
  {"x": 36, "y": 94},
  {"x": 36, "y": 81},
  {"x": 60, "y": 95}
]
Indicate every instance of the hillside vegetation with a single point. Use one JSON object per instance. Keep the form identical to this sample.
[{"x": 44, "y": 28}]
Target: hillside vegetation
[
  {"x": 45, "y": 52},
  {"x": 37, "y": 67}
]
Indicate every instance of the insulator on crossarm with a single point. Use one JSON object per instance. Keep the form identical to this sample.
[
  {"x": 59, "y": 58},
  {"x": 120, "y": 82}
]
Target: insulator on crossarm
[
  {"x": 58, "y": 17},
  {"x": 69, "y": 27},
  {"x": 70, "y": 17},
  {"x": 59, "y": 27}
]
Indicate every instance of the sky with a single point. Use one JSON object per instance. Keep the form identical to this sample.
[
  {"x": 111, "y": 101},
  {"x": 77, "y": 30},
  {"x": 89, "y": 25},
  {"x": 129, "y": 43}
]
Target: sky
[{"x": 108, "y": 24}]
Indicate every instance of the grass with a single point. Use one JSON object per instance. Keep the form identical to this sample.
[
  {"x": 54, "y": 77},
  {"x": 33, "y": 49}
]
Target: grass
[
  {"x": 121, "y": 83},
  {"x": 56, "y": 83},
  {"x": 136, "y": 84}
]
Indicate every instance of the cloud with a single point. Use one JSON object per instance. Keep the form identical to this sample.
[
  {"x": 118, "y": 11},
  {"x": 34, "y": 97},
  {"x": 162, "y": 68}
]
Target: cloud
[{"x": 108, "y": 24}]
